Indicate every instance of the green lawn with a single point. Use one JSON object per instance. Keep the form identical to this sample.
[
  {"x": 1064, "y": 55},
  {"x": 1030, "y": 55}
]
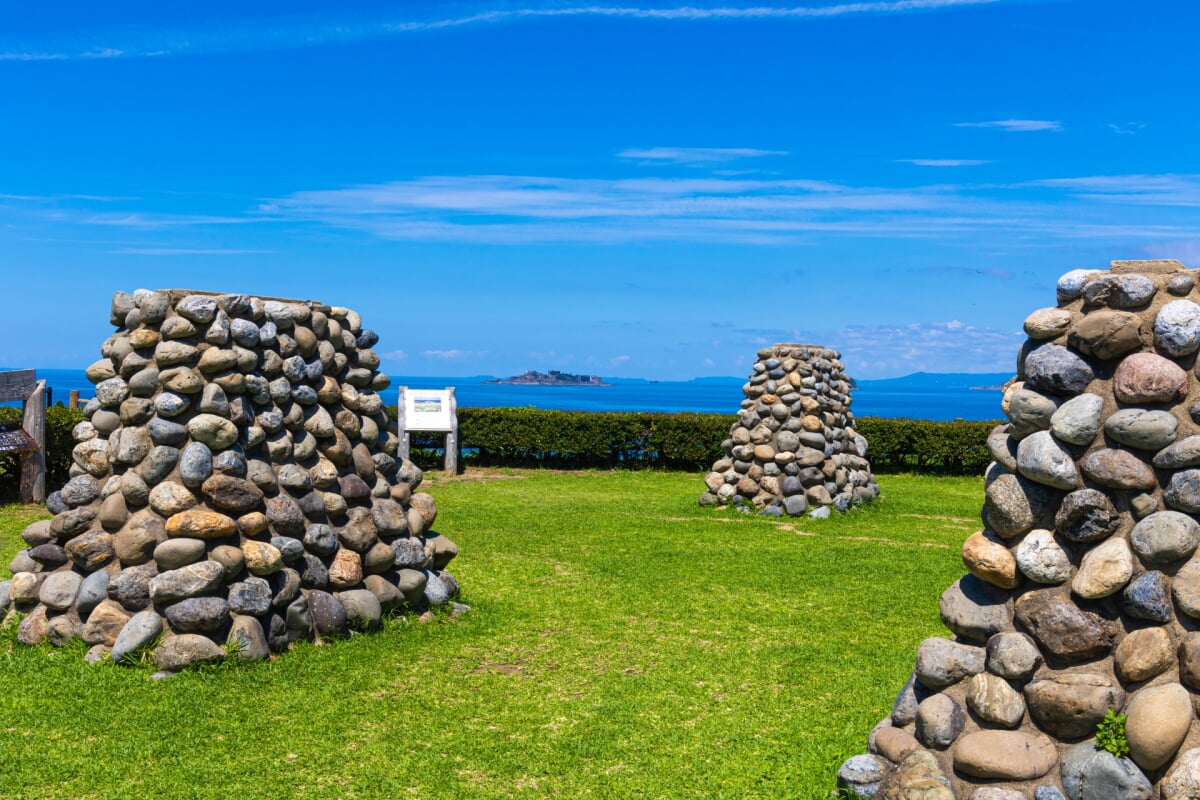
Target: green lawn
[{"x": 622, "y": 643}]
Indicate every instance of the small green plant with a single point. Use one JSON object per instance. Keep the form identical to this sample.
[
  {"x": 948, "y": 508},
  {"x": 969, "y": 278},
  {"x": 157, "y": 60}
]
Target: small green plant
[{"x": 1110, "y": 734}]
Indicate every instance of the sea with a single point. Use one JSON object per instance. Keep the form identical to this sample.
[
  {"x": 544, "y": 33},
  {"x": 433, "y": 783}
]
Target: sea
[{"x": 968, "y": 397}]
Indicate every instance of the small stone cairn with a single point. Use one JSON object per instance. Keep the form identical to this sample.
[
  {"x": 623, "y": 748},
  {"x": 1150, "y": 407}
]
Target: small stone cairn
[
  {"x": 234, "y": 489},
  {"x": 1084, "y": 586},
  {"x": 794, "y": 448}
]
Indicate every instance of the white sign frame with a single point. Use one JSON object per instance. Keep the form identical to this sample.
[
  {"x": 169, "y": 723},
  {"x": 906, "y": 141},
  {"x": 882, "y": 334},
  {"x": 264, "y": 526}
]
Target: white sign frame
[{"x": 428, "y": 411}]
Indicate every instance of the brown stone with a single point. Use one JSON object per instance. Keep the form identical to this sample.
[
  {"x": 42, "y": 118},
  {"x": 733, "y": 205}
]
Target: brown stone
[
  {"x": 1143, "y": 654},
  {"x": 234, "y": 495},
  {"x": 1118, "y": 469},
  {"x": 1106, "y": 334},
  {"x": 1062, "y": 628},
  {"x": 1070, "y": 705},
  {"x": 92, "y": 550},
  {"x": 994, "y": 700},
  {"x": 199, "y": 523},
  {"x": 1047, "y": 323},
  {"x": 345, "y": 571},
  {"x": 990, "y": 560},
  {"x": 104, "y": 623},
  {"x": 895, "y": 743},
  {"x": 918, "y": 777},
  {"x": 1005, "y": 755},
  {"x": 1157, "y": 723},
  {"x": 1149, "y": 378},
  {"x": 261, "y": 558}
]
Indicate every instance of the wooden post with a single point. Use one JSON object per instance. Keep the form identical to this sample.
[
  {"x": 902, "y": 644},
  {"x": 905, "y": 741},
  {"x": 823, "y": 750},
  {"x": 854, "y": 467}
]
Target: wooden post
[
  {"x": 451, "y": 461},
  {"x": 33, "y": 464},
  {"x": 401, "y": 427},
  {"x": 73, "y": 399}
]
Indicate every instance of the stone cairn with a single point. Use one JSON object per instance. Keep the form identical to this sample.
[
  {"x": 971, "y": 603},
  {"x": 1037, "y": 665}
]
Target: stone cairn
[
  {"x": 793, "y": 448},
  {"x": 1084, "y": 587},
  {"x": 234, "y": 489}
]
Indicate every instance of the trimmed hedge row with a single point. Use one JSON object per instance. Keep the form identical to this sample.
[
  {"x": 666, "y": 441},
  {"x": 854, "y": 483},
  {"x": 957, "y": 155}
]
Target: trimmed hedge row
[{"x": 531, "y": 437}]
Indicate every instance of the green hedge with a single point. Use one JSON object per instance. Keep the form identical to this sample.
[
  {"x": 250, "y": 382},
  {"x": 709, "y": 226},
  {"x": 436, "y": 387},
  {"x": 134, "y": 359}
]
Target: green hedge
[{"x": 530, "y": 437}]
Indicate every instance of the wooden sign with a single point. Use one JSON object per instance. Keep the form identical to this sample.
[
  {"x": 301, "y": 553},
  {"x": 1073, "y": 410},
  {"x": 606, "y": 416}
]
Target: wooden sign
[{"x": 429, "y": 411}]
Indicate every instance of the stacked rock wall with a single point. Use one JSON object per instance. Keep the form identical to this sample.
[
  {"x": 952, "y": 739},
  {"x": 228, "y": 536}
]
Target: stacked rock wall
[
  {"x": 794, "y": 448},
  {"x": 235, "y": 482},
  {"x": 1084, "y": 587}
]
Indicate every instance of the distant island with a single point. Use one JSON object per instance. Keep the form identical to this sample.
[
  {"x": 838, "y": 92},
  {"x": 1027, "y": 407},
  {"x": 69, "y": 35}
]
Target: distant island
[{"x": 552, "y": 378}]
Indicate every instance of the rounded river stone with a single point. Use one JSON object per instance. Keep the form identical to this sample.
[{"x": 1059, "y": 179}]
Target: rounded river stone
[
  {"x": 1106, "y": 334},
  {"x": 1165, "y": 538},
  {"x": 1041, "y": 458},
  {"x": 1087, "y": 515},
  {"x": 1177, "y": 328},
  {"x": 1148, "y": 597},
  {"x": 1142, "y": 429},
  {"x": 1054, "y": 369},
  {"x": 1149, "y": 378}
]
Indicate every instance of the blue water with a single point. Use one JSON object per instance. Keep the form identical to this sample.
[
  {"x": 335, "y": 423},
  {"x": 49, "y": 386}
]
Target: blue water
[{"x": 708, "y": 396}]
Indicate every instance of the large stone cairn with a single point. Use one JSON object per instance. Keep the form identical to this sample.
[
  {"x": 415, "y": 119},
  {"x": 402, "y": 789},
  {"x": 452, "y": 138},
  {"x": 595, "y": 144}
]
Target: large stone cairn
[
  {"x": 235, "y": 488},
  {"x": 793, "y": 448},
  {"x": 1084, "y": 586}
]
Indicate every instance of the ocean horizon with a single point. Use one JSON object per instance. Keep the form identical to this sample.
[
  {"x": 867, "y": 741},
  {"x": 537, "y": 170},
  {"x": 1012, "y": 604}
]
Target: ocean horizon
[{"x": 931, "y": 396}]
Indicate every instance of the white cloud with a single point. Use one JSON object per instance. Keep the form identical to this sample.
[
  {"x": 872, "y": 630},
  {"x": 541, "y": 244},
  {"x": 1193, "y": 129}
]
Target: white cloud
[
  {"x": 293, "y": 33},
  {"x": 394, "y": 355},
  {"x": 695, "y": 155},
  {"x": 942, "y": 162},
  {"x": 186, "y": 251},
  {"x": 454, "y": 355},
  {"x": 1126, "y": 128},
  {"x": 618, "y": 361},
  {"x": 1015, "y": 125}
]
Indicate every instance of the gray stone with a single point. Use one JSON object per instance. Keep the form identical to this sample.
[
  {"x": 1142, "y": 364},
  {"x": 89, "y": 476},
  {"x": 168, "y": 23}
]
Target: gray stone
[
  {"x": 1089, "y": 773},
  {"x": 131, "y": 586},
  {"x": 942, "y": 663},
  {"x": 1087, "y": 515},
  {"x": 185, "y": 582},
  {"x": 1015, "y": 504},
  {"x": 939, "y": 721},
  {"x": 198, "y": 615},
  {"x": 1183, "y": 490},
  {"x": 158, "y": 464},
  {"x": 1013, "y": 655},
  {"x": 289, "y": 549},
  {"x": 251, "y": 596},
  {"x": 1186, "y": 588},
  {"x": 197, "y": 308},
  {"x": 1177, "y": 328},
  {"x": 285, "y": 515},
  {"x": 1184, "y": 453},
  {"x": 319, "y": 538},
  {"x": 1028, "y": 411},
  {"x": 363, "y": 609},
  {"x": 80, "y": 490},
  {"x": 1165, "y": 538},
  {"x": 179, "y": 552},
  {"x": 975, "y": 610},
  {"x": 1054, "y": 369},
  {"x": 1070, "y": 284},
  {"x": 92, "y": 590},
  {"x": 1142, "y": 429},
  {"x": 141, "y": 630},
  {"x": 1042, "y": 459},
  {"x": 1119, "y": 290},
  {"x": 328, "y": 614},
  {"x": 1148, "y": 597},
  {"x": 187, "y": 650},
  {"x": 249, "y": 638},
  {"x": 214, "y": 431},
  {"x": 862, "y": 774},
  {"x": 1183, "y": 782},
  {"x": 59, "y": 590},
  {"x": 195, "y": 464}
]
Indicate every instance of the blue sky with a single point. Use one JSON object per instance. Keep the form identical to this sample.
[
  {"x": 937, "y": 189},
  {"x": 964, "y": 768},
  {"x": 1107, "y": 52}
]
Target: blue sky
[{"x": 636, "y": 190}]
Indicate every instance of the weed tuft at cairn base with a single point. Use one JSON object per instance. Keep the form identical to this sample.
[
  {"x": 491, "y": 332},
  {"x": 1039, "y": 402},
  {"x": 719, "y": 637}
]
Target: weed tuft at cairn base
[
  {"x": 235, "y": 488},
  {"x": 794, "y": 448},
  {"x": 1074, "y": 666}
]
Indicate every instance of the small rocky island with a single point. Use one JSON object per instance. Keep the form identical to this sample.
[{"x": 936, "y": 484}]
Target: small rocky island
[{"x": 552, "y": 378}]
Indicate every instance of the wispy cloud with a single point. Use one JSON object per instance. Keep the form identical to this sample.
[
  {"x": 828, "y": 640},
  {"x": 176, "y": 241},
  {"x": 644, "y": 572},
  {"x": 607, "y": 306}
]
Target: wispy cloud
[
  {"x": 394, "y": 355},
  {"x": 618, "y": 361},
  {"x": 942, "y": 162},
  {"x": 1126, "y": 128},
  {"x": 1156, "y": 190},
  {"x": 294, "y": 34},
  {"x": 695, "y": 155},
  {"x": 454, "y": 355},
  {"x": 1015, "y": 125},
  {"x": 186, "y": 251}
]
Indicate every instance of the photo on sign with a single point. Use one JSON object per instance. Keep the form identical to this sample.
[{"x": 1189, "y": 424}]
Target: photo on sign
[{"x": 427, "y": 405}]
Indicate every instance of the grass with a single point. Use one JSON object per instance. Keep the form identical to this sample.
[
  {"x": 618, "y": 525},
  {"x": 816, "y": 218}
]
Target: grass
[{"x": 622, "y": 643}]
